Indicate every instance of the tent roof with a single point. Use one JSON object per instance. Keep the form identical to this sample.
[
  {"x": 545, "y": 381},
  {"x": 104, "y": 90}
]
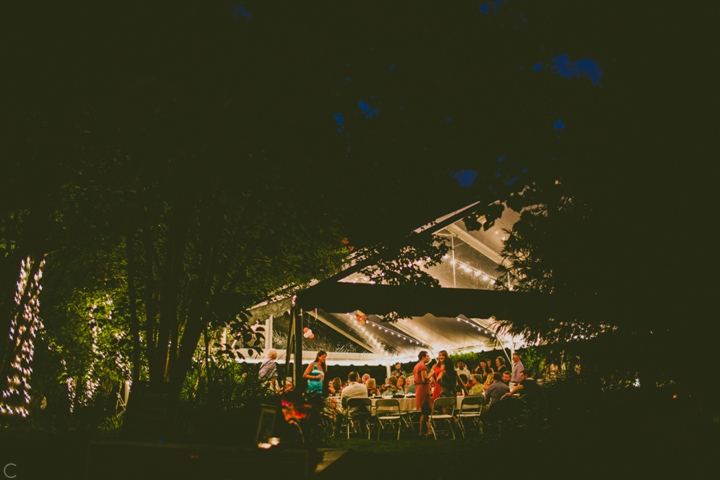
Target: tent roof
[
  {"x": 459, "y": 316},
  {"x": 419, "y": 301}
]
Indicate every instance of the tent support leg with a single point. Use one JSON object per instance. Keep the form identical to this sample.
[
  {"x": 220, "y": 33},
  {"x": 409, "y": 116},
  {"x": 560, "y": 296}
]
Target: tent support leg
[{"x": 298, "y": 336}]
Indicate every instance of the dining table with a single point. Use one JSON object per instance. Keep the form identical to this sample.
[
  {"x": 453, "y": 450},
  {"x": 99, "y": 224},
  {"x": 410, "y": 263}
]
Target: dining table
[{"x": 407, "y": 403}]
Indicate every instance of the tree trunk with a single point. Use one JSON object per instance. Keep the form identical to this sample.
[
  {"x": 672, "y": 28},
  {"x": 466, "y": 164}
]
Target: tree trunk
[
  {"x": 7, "y": 350},
  {"x": 150, "y": 301},
  {"x": 132, "y": 294},
  {"x": 171, "y": 273},
  {"x": 16, "y": 344}
]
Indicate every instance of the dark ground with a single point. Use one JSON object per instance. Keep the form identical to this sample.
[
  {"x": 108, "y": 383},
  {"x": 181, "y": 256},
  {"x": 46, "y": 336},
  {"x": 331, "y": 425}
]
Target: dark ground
[{"x": 655, "y": 444}]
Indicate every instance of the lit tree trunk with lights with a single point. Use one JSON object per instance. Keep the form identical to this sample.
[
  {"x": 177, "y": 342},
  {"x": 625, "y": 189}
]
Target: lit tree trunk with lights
[{"x": 19, "y": 345}]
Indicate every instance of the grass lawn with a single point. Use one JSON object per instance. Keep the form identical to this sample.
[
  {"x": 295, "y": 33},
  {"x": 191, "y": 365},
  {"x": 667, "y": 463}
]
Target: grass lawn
[{"x": 635, "y": 440}]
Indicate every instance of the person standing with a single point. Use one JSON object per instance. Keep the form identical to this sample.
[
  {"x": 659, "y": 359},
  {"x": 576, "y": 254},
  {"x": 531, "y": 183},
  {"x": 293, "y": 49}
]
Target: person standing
[
  {"x": 447, "y": 378},
  {"x": 268, "y": 373},
  {"x": 422, "y": 389},
  {"x": 436, "y": 369},
  {"x": 518, "y": 367},
  {"x": 315, "y": 373},
  {"x": 397, "y": 371}
]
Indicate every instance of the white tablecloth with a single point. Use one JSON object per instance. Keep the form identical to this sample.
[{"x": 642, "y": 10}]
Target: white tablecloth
[{"x": 407, "y": 404}]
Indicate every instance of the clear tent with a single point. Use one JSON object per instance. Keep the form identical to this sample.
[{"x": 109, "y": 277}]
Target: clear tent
[{"x": 471, "y": 264}]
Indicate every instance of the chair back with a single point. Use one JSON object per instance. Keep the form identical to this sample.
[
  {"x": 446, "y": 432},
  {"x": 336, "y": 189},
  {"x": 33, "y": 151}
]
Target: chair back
[
  {"x": 359, "y": 406},
  {"x": 472, "y": 403},
  {"x": 386, "y": 406},
  {"x": 444, "y": 402}
]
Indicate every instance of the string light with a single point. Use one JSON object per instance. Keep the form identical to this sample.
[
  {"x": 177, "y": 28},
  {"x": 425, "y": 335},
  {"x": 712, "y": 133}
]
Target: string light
[
  {"x": 393, "y": 333},
  {"x": 476, "y": 272}
]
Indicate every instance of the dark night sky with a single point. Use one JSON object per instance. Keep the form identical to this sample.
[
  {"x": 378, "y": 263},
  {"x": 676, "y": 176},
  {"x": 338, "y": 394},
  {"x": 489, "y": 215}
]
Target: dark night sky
[{"x": 411, "y": 108}]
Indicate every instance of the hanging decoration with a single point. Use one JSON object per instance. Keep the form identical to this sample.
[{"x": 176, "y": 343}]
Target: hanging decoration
[{"x": 307, "y": 333}]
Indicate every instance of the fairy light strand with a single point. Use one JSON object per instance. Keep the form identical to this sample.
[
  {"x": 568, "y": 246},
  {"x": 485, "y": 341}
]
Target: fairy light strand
[{"x": 24, "y": 328}]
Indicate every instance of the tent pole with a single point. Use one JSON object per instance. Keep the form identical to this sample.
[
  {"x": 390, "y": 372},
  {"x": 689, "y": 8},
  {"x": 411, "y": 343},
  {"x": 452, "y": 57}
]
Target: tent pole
[
  {"x": 288, "y": 353},
  {"x": 298, "y": 383},
  {"x": 452, "y": 246},
  {"x": 268, "y": 334}
]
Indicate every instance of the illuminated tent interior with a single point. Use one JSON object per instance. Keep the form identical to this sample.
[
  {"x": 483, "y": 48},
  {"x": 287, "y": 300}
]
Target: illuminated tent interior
[{"x": 458, "y": 317}]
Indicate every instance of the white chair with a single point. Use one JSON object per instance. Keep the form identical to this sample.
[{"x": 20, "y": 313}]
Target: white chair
[
  {"x": 470, "y": 410},
  {"x": 440, "y": 407},
  {"x": 388, "y": 414}
]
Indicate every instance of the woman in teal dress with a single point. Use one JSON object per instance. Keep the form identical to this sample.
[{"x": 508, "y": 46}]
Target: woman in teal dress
[{"x": 315, "y": 373}]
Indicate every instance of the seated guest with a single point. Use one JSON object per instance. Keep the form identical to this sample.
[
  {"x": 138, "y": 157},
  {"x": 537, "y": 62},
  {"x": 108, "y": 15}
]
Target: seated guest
[
  {"x": 526, "y": 387},
  {"x": 392, "y": 382},
  {"x": 500, "y": 364},
  {"x": 477, "y": 386},
  {"x": 335, "y": 387},
  {"x": 497, "y": 390},
  {"x": 390, "y": 386},
  {"x": 483, "y": 370},
  {"x": 410, "y": 385},
  {"x": 400, "y": 387},
  {"x": 397, "y": 371},
  {"x": 489, "y": 380},
  {"x": 365, "y": 378},
  {"x": 461, "y": 369},
  {"x": 354, "y": 389},
  {"x": 372, "y": 387}
]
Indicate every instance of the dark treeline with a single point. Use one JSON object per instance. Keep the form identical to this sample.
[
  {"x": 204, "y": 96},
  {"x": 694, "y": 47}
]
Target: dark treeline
[{"x": 208, "y": 141}]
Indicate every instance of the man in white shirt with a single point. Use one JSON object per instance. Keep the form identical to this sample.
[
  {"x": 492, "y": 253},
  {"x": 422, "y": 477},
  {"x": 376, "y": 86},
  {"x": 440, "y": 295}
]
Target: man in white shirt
[
  {"x": 461, "y": 369},
  {"x": 354, "y": 388}
]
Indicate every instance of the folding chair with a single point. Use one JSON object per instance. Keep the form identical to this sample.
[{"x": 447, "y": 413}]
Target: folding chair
[
  {"x": 387, "y": 412},
  {"x": 358, "y": 413},
  {"x": 410, "y": 418},
  {"x": 122, "y": 397},
  {"x": 470, "y": 410},
  {"x": 437, "y": 413}
]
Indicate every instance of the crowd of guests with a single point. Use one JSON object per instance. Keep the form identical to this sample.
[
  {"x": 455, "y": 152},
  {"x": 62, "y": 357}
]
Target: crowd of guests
[{"x": 495, "y": 381}]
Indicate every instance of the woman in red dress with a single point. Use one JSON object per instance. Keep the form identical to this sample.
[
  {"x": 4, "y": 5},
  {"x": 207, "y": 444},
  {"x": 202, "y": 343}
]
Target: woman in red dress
[
  {"x": 422, "y": 395},
  {"x": 436, "y": 369}
]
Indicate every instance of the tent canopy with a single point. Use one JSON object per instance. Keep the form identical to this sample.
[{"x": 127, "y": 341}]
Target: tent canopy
[{"x": 460, "y": 316}]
